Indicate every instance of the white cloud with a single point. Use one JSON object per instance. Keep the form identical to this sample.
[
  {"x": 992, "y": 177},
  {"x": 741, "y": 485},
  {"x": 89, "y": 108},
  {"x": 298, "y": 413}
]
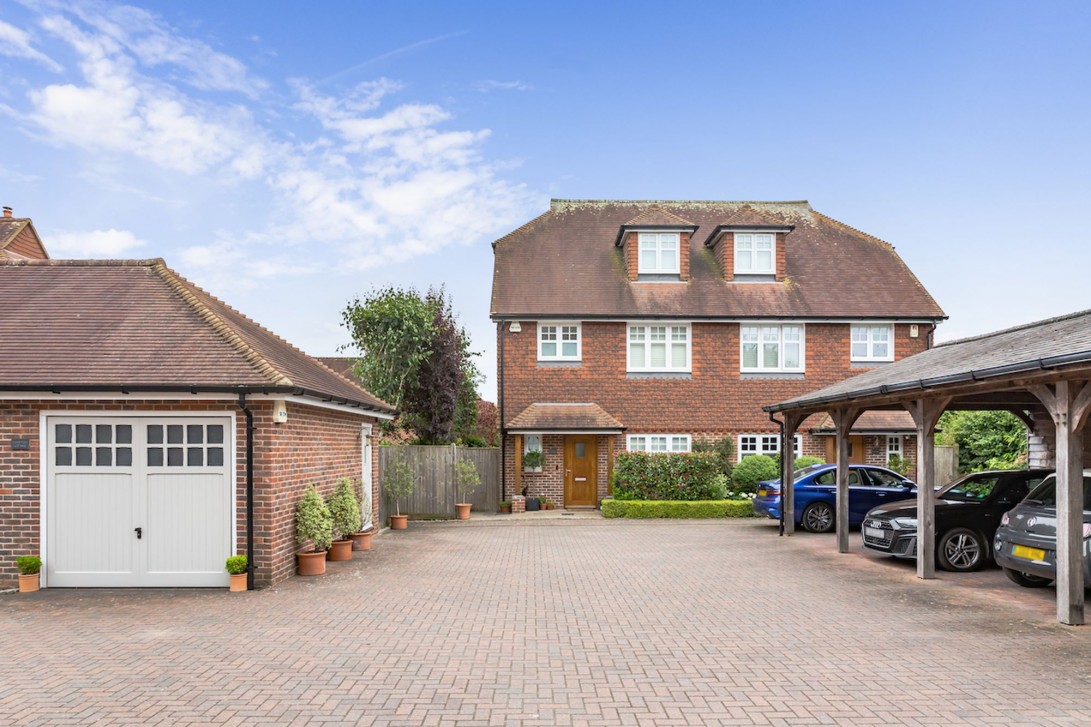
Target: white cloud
[
  {"x": 93, "y": 243},
  {"x": 491, "y": 85},
  {"x": 15, "y": 43}
]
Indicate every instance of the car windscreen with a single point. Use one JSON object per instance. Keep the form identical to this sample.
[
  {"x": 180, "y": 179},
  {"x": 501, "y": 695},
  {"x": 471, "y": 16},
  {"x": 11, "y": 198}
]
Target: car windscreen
[
  {"x": 970, "y": 489},
  {"x": 1046, "y": 493}
]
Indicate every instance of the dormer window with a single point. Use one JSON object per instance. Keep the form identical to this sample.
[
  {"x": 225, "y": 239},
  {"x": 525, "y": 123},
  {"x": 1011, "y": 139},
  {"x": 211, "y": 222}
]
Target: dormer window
[
  {"x": 659, "y": 253},
  {"x": 755, "y": 253}
]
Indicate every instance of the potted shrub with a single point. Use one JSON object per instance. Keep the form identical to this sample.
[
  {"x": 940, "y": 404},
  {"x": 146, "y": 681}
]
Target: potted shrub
[
  {"x": 362, "y": 540},
  {"x": 345, "y": 511},
  {"x": 398, "y": 482},
  {"x": 505, "y": 507},
  {"x": 533, "y": 460},
  {"x": 466, "y": 481},
  {"x": 313, "y": 524},
  {"x": 30, "y": 573},
  {"x": 237, "y": 565}
]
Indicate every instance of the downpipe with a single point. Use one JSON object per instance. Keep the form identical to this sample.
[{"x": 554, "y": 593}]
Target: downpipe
[{"x": 250, "y": 565}]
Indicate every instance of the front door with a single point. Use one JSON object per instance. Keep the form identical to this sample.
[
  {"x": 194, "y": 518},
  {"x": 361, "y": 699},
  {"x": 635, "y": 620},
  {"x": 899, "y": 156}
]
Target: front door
[
  {"x": 857, "y": 453},
  {"x": 581, "y": 482}
]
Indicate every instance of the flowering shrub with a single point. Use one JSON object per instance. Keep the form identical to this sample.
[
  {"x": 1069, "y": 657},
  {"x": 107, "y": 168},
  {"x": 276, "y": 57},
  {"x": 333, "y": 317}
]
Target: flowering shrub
[{"x": 675, "y": 476}]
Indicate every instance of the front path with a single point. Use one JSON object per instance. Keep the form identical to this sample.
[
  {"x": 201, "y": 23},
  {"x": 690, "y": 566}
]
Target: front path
[{"x": 559, "y": 622}]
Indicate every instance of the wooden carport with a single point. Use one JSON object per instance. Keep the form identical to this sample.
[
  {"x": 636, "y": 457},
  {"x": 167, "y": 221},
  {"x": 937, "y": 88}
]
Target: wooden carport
[{"x": 1041, "y": 369}]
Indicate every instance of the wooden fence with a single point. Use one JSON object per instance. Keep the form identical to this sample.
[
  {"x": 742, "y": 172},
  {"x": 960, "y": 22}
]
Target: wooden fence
[
  {"x": 946, "y": 464},
  {"x": 434, "y": 495}
]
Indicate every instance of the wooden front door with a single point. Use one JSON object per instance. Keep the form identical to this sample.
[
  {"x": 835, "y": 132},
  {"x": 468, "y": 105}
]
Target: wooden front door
[
  {"x": 857, "y": 453},
  {"x": 581, "y": 481}
]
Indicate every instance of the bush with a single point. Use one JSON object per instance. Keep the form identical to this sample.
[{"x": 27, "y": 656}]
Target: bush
[
  {"x": 236, "y": 564},
  {"x": 899, "y": 465},
  {"x": 752, "y": 470},
  {"x": 28, "y": 565},
  {"x": 472, "y": 441},
  {"x": 313, "y": 521},
  {"x": 399, "y": 479},
  {"x": 642, "y": 476},
  {"x": 645, "y": 509},
  {"x": 724, "y": 449},
  {"x": 344, "y": 509},
  {"x": 466, "y": 478},
  {"x": 808, "y": 460}
]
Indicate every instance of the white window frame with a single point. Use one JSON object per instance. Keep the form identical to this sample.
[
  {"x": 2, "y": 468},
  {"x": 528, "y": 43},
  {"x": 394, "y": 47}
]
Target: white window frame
[
  {"x": 761, "y": 328},
  {"x": 659, "y": 238},
  {"x": 894, "y": 447},
  {"x": 870, "y": 342},
  {"x": 671, "y": 442},
  {"x": 526, "y": 443},
  {"x": 647, "y": 326},
  {"x": 753, "y": 240},
  {"x": 560, "y": 333},
  {"x": 767, "y": 444}
]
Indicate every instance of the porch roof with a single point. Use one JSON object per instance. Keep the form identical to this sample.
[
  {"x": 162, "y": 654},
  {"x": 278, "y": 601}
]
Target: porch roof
[
  {"x": 564, "y": 417},
  {"x": 870, "y": 422}
]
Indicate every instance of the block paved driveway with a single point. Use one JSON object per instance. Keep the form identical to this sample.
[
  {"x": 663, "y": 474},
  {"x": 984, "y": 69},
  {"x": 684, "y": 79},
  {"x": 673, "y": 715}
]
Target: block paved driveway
[{"x": 559, "y": 622}]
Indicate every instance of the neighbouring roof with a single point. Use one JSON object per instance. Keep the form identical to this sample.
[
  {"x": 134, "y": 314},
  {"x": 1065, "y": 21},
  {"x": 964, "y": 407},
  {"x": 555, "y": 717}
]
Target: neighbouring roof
[
  {"x": 138, "y": 325},
  {"x": 550, "y": 417},
  {"x": 340, "y": 364},
  {"x": 19, "y": 240},
  {"x": 1050, "y": 344},
  {"x": 564, "y": 263},
  {"x": 875, "y": 421}
]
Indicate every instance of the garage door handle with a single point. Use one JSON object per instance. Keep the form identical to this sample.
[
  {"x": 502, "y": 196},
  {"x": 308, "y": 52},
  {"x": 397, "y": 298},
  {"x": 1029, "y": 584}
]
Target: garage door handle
[{"x": 139, "y": 533}]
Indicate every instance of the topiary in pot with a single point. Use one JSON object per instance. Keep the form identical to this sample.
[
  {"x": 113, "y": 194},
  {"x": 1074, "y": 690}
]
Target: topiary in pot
[
  {"x": 466, "y": 481},
  {"x": 313, "y": 524},
  {"x": 30, "y": 569},
  {"x": 398, "y": 482},
  {"x": 237, "y": 565},
  {"x": 533, "y": 460},
  {"x": 345, "y": 511}
]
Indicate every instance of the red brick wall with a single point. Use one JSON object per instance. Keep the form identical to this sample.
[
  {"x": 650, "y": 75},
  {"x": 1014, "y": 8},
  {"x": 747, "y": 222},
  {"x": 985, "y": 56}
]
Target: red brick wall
[
  {"x": 713, "y": 401},
  {"x": 315, "y": 445}
]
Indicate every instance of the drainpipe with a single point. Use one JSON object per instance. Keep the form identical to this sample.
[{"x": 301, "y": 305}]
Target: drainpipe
[
  {"x": 250, "y": 566},
  {"x": 500, "y": 413},
  {"x": 784, "y": 447}
]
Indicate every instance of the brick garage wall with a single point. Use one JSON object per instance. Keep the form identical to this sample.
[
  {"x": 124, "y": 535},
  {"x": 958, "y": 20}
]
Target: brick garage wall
[
  {"x": 283, "y": 458},
  {"x": 714, "y": 400}
]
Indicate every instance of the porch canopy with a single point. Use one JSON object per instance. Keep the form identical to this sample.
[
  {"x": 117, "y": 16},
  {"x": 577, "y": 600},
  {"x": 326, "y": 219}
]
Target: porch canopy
[{"x": 1041, "y": 372}]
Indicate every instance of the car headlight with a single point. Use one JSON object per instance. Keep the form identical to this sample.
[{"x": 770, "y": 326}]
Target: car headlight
[
  {"x": 904, "y": 523},
  {"x": 1004, "y": 519}
]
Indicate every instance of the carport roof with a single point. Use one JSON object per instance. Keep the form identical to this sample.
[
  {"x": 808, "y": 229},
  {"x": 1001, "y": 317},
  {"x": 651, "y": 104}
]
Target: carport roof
[
  {"x": 137, "y": 325},
  {"x": 1023, "y": 351}
]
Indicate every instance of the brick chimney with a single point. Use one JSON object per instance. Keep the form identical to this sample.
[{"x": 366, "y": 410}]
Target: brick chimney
[{"x": 7, "y": 211}]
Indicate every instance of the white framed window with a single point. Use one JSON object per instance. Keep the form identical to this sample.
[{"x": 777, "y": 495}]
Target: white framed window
[
  {"x": 893, "y": 446},
  {"x": 659, "y": 443},
  {"x": 755, "y": 253},
  {"x": 658, "y": 252},
  {"x": 772, "y": 348},
  {"x": 767, "y": 444},
  {"x": 532, "y": 443},
  {"x": 659, "y": 347},
  {"x": 872, "y": 342},
  {"x": 559, "y": 341}
]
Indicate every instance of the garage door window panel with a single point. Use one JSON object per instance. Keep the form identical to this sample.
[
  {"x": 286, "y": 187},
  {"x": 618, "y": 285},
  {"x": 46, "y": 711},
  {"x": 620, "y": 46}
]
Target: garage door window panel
[
  {"x": 199, "y": 445},
  {"x": 99, "y": 445}
]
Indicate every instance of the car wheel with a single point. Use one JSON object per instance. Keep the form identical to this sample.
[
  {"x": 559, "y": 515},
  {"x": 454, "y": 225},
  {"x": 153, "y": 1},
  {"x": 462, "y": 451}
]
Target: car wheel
[
  {"x": 1026, "y": 580},
  {"x": 818, "y": 518},
  {"x": 961, "y": 550}
]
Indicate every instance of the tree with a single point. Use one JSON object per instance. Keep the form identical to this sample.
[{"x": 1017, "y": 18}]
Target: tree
[
  {"x": 415, "y": 356},
  {"x": 985, "y": 439}
]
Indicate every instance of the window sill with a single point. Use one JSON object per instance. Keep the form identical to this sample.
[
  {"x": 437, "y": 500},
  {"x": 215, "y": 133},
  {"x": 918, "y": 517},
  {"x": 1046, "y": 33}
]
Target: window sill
[
  {"x": 532, "y": 470},
  {"x": 547, "y": 364},
  {"x": 659, "y": 375},
  {"x": 754, "y": 278},
  {"x": 659, "y": 278},
  {"x": 863, "y": 364},
  {"x": 746, "y": 375}
]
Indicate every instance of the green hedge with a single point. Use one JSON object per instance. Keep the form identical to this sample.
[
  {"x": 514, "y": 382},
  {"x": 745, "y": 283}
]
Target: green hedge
[
  {"x": 645, "y": 509},
  {"x": 678, "y": 476}
]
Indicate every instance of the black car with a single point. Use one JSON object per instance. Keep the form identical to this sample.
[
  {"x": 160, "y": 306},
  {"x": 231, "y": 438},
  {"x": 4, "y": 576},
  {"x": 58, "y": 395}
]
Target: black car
[{"x": 968, "y": 511}]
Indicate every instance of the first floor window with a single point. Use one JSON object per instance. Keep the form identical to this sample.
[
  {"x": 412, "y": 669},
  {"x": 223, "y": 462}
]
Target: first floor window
[
  {"x": 767, "y": 444},
  {"x": 558, "y": 341},
  {"x": 770, "y": 349},
  {"x": 659, "y": 443},
  {"x": 658, "y": 252},
  {"x": 755, "y": 253},
  {"x": 872, "y": 342},
  {"x": 659, "y": 347}
]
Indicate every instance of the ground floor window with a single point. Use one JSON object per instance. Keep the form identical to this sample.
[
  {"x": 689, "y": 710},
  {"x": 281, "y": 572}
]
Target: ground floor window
[
  {"x": 767, "y": 444},
  {"x": 893, "y": 447},
  {"x": 659, "y": 443}
]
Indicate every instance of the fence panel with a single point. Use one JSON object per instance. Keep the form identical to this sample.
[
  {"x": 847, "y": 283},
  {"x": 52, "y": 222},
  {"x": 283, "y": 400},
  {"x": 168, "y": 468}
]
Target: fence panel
[
  {"x": 435, "y": 495},
  {"x": 946, "y": 464}
]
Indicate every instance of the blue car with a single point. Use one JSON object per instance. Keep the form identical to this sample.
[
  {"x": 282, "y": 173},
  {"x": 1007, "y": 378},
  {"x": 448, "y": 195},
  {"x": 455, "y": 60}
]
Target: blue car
[{"x": 816, "y": 494}]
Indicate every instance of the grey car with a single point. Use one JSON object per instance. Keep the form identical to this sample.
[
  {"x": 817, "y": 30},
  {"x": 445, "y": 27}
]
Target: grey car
[{"x": 1025, "y": 545}]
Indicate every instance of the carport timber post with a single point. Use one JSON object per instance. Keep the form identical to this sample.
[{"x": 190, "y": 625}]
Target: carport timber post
[{"x": 926, "y": 414}]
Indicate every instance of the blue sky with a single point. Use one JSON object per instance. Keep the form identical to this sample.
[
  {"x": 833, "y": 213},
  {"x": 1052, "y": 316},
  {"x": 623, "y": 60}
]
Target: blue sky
[{"x": 290, "y": 156}]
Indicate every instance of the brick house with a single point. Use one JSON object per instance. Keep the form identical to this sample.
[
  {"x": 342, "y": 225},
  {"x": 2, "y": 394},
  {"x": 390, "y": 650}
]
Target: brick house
[
  {"x": 640, "y": 325},
  {"x": 135, "y": 408}
]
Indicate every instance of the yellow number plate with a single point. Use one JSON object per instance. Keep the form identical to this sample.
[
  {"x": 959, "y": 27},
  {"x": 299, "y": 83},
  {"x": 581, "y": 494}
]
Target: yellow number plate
[
  {"x": 762, "y": 493},
  {"x": 1022, "y": 551}
]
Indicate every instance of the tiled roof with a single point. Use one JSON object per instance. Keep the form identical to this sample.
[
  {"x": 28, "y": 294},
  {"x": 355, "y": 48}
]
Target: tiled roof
[
  {"x": 564, "y": 417},
  {"x": 876, "y": 420},
  {"x": 1048, "y": 344},
  {"x": 656, "y": 216},
  {"x": 747, "y": 216},
  {"x": 136, "y": 324},
  {"x": 565, "y": 264},
  {"x": 340, "y": 364},
  {"x": 19, "y": 240}
]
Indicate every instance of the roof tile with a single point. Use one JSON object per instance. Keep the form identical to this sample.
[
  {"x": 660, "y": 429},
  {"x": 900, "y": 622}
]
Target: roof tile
[{"x": 552, "y": 417}]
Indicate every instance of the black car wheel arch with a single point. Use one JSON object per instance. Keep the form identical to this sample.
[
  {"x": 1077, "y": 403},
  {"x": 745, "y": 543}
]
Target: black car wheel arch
[
  {"x": 1026, "y": 580},
  {"x": 961, "y": 550}
]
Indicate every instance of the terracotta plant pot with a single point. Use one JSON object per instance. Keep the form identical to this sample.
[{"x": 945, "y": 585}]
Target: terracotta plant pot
[
  {"x": 311, "y": 564},
  {"x": 505, "y": 509},
  {"x": 29, "y": 584},
  {"x": 238, "y": 582},
  {"x": 362, "y": 541},
  {"x": 399, "y": 522},
  {"x": 340, "y": 550},
  {"x": 463, "y": 509}
]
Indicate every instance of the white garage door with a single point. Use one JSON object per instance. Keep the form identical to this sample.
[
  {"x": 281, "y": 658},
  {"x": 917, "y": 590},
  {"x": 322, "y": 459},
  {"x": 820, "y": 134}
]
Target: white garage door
[{"x": 138, "y": 501}]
